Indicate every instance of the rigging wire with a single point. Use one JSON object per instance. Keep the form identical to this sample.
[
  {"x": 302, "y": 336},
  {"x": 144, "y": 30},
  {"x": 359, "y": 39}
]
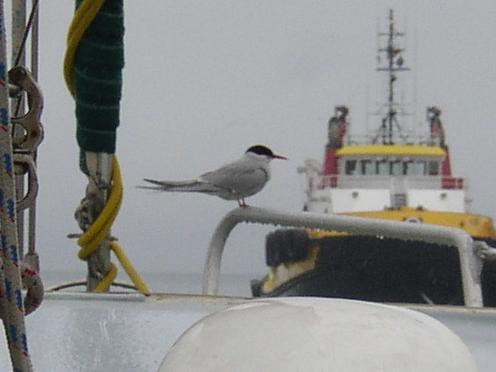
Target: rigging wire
[
  {"x": 29, "y": 25},
  {"x": 22, "y": 47}
]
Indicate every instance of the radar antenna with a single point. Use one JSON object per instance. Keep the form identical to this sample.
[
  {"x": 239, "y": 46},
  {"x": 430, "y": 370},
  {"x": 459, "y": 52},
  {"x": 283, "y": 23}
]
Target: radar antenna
[{"x": 393, "y": 64}]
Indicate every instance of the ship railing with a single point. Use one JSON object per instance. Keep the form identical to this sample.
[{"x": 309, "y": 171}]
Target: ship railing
[
  {"x": 456, "y": 183},
  {"x": 384, "y": 182},
  {"x": 372, "y": 139},
  {"x": 470, "y": 261}
]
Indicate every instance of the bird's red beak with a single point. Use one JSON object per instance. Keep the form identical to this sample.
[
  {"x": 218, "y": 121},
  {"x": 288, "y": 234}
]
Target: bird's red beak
[{"x": 280, "y": 157}]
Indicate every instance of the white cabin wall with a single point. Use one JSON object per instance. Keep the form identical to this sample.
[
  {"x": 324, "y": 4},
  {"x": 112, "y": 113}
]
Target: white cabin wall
[
  {"x": 437, "y": 200},
  {"x": 349, "y": 200},
  {"x": 359, "y": 200}
]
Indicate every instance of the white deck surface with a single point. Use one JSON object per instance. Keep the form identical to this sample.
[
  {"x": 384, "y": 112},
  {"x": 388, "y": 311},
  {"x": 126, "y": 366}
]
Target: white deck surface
[{"x": 89, "y": 332}]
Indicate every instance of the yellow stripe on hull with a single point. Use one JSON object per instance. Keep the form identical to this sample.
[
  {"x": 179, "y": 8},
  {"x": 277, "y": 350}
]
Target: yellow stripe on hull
[
  {"x": 477, "y": 226},
  {"x": 391, "y": 150}
]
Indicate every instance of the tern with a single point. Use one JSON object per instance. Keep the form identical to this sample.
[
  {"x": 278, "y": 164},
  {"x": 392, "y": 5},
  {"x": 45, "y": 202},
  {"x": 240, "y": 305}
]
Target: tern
[{"x": 234, "y": 181}]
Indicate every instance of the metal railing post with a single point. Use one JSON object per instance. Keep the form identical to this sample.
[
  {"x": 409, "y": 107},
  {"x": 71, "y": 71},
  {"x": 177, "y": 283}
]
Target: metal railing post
[{"x": 470, "y": 263}]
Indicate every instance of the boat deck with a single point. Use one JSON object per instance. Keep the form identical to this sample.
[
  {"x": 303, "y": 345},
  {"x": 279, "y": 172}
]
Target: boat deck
[{"x": 75, "y": 331}]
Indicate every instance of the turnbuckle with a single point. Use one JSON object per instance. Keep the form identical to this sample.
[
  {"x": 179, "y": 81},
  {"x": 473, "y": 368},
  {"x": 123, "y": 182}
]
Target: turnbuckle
[
  {"x": 26, "y": 140},
  {"x": 32, "y": 130},
  {"x": 24, "y": 164}
]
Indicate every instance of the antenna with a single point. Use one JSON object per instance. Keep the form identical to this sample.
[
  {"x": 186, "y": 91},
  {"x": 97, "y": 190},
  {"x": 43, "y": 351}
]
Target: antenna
[
  {"x": 394, "y": 63},
  {"x": 367, "y": 103},
  {"x": 415, "y": 75}
]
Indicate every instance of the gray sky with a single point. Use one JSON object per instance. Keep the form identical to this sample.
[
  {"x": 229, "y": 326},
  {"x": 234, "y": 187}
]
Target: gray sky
[{"x": 205, "y": 80}]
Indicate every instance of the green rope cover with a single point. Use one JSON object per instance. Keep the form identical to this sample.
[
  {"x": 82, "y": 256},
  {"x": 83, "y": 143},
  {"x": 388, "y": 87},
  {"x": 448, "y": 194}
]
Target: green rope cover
[{"x": 98, "y": 79}]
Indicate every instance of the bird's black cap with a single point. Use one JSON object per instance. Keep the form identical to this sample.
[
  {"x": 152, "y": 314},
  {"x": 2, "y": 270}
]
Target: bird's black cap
[
  {"x": 261, "y": 150},
  {"x": 264, "y": 150}
]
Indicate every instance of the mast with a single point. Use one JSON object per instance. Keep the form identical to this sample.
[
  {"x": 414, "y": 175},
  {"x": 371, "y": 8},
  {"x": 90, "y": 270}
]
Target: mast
[{"x": 393, "y": 64}]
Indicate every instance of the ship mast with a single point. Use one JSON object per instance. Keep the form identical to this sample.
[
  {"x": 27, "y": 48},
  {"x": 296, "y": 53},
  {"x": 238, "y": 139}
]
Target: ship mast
[{"x": 393, "y": 65}]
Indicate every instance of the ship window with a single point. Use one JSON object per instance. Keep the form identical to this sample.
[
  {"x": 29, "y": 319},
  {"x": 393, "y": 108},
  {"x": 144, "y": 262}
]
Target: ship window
[
  {"x": 433, "y": 168},
  {"x": 396, "y": 168},
  {"x": 416, "y": 168},
  {"x": 351, "y": 167},
  {"x": 368, "y": 167},
  {"x": 383, "y": 168}
]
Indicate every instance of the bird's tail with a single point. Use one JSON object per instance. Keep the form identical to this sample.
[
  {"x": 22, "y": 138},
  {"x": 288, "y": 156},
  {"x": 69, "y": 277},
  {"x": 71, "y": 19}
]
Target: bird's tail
[{"x": 181, "y": 186}]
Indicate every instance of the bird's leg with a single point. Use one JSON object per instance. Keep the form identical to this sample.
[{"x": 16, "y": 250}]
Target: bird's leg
[{"x": 242, "y": 203}]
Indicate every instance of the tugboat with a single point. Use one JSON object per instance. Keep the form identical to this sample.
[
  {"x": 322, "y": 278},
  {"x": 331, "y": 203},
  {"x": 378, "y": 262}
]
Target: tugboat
[{"x": 391, "y": 175}]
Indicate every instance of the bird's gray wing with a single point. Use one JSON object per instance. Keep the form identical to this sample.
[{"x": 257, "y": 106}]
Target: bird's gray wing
[
  {"x": 182, "y": 186},
  {"x": 240, "y": 178}
]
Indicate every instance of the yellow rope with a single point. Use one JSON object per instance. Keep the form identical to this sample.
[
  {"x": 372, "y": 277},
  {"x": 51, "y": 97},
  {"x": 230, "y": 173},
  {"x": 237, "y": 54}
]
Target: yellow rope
[
  {"x": 100, "y": 229},
  {"x": 128, "y": 267},
  {"x": 97, "y": 232},
  {"x": 107, "y": 281},
  {"x": 83, "y": 17}
]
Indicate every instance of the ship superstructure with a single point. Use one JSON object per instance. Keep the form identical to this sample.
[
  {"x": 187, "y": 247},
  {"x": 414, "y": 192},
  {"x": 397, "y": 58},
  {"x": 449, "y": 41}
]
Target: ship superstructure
[
  {"x": 390, "y": 174},
  {"x": 390, "y": 170}
]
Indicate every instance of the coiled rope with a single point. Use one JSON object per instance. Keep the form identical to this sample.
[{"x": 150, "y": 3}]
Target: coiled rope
[
  {"x": 83, "y": 17},
  {"x": 11, "y": 301},
  {"x": 95, "y": 235}
]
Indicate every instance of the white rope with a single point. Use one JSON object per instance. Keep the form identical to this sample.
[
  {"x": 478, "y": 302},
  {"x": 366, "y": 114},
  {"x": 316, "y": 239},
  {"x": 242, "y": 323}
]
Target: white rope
[{"x": 11, "y": 299}]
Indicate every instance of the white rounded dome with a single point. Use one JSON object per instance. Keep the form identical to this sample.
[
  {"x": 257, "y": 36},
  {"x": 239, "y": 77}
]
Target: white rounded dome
[{"x": 316, "y": 334}]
